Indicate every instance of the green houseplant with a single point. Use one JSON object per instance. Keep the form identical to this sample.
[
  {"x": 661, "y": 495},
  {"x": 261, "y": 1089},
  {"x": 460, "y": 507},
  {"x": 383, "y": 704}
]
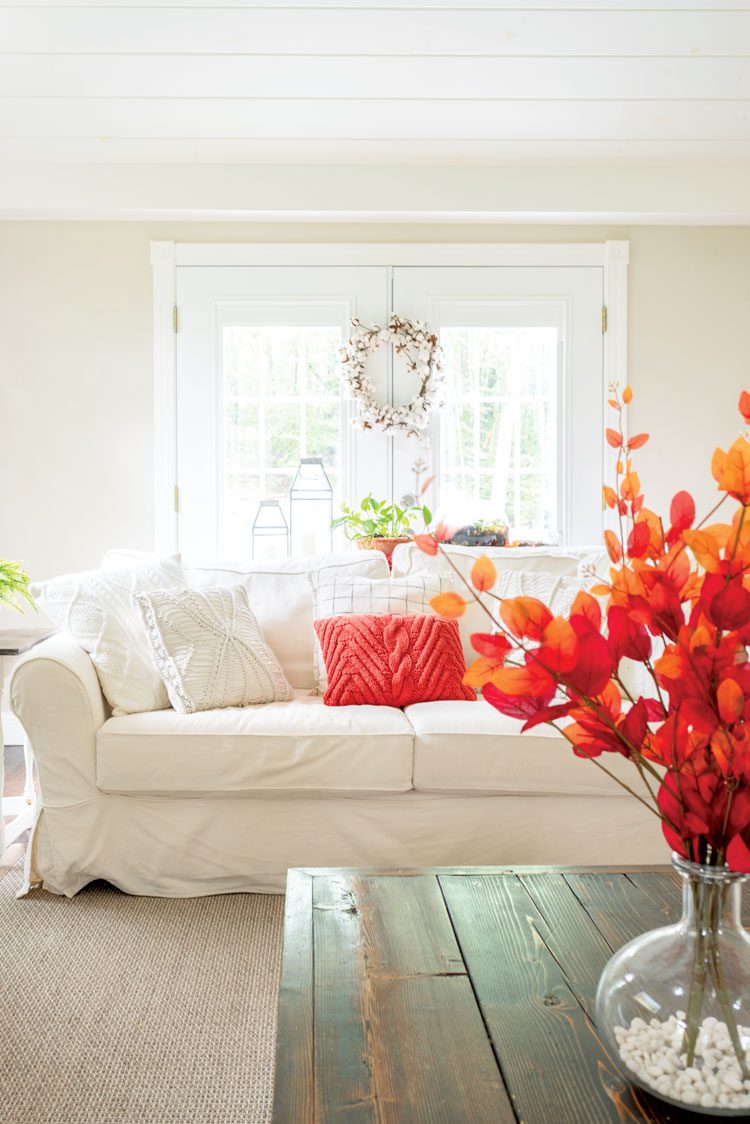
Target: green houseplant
[
  {"x": 14, "y": 586},
  {"x": 380, "y": 525}
]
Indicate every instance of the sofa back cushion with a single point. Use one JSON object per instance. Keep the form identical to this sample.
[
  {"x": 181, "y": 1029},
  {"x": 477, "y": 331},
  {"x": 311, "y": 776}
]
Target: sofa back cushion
[
  {"x": 408, "y": 559},
  {"x": 281, "y": 599}
]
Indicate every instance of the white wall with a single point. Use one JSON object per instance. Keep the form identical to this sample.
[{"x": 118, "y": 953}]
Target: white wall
[{"x": 76, "y": 435}]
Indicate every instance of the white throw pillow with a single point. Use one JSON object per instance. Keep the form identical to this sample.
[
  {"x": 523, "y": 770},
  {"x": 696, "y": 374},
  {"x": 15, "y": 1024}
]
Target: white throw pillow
[
  {"x": 337, "y": 595},
  {"x": 280, "y": 596},
  {"x": 122, "y": 558},
  {"x": 210, "y": 650},
  {"x": 95, "y": 608},
  {"x": 408, "y": 559}
]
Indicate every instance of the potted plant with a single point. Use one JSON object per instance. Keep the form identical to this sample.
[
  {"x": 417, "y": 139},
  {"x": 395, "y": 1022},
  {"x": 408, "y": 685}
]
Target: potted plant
[
  {"x": 379, "y": 525},
  {"x": 673, "y": 1005}
]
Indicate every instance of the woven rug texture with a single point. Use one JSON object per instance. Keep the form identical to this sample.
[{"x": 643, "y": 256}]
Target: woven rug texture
[{"x": 128, "y": 1010}]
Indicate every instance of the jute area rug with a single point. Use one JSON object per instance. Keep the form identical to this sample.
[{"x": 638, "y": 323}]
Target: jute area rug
[{"x": 124, "y": 1010}]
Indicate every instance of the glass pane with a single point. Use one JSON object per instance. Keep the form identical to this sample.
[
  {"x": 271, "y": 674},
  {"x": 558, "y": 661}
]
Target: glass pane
[
  {"x": 281, "y": 401},
  {"x": 500, "y": 417}
]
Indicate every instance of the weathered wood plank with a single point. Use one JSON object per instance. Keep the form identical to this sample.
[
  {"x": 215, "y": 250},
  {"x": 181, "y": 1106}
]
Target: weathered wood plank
[
  {"x": 570, "y": 935},
  {"x": 550, "y": 1053},
  {"x": 619, "y": 908},
  {"x": 398, "y": 1035},
  {"x": 293, "y": 1099}
]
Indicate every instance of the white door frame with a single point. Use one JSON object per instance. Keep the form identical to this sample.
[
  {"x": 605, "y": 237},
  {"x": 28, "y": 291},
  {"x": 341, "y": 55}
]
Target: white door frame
[{"x": 613, "y": 257}]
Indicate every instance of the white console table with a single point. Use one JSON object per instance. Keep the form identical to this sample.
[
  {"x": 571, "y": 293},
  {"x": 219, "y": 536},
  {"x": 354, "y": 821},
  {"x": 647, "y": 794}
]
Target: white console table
[{"x": 13, "y": 643}]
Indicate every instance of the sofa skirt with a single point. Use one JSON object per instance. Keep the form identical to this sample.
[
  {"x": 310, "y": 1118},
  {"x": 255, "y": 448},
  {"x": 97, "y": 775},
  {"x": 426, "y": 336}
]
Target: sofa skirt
[{"x": 192, "y": 847}]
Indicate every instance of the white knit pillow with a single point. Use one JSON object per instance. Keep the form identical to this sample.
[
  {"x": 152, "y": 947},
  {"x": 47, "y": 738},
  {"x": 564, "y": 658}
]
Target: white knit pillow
[
  {"x": 209, "y": 649},
  {"x": 94, "y": 607},
  {"x": 334, "y": 595}
]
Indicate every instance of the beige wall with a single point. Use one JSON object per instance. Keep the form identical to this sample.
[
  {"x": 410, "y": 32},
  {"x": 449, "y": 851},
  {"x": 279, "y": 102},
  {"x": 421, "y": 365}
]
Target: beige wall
[{"x": 76, "y": 435}]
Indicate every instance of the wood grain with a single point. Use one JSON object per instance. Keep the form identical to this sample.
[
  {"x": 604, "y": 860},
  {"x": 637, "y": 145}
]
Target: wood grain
[
  {"x": 549, "y": 1051},
  {"x": 398, "y": 1035},
  {"x": 294, "y": 1088}
]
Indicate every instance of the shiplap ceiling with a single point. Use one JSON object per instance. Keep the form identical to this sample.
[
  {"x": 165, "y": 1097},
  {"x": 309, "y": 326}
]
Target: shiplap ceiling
[{"x": 336, "y": 82}]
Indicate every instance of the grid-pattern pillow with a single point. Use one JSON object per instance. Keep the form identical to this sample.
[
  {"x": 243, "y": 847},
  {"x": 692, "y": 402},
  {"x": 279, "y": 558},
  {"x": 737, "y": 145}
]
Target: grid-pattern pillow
[{"x": 336, "y": 595}]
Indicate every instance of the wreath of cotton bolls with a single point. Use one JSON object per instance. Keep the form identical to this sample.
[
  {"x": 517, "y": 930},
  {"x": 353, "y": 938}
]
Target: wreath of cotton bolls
[{"x": 420, "y": 347}]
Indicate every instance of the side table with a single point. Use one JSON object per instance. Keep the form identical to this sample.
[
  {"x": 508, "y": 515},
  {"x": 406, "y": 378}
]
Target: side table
[{"x": 13, "y": 643}]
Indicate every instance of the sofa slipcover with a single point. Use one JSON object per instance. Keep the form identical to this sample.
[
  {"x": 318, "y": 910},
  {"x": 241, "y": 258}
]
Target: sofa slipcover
[
  {"x": 469, "y": 747},
  {"x": 280, "y": 747}
]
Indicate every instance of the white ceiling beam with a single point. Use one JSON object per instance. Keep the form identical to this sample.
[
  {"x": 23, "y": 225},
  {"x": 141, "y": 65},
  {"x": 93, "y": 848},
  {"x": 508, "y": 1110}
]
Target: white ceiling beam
[
  {"x": 375, "y": 31},
  {"x": 285, "y": 76},
  {"x": 425, "y": 193},
  {"x": 383, "y": 120}
]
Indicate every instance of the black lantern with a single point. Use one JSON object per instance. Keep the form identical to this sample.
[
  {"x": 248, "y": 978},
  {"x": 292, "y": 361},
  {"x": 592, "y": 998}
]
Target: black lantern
[{"x": 311, "y": 508}]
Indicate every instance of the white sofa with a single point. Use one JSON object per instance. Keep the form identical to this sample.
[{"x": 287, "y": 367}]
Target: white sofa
[{"x": 182, "y": 805}]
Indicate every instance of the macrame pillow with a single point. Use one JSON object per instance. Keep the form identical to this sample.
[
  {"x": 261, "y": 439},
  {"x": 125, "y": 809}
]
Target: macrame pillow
[
  {"x": 209, "y": 649},
  {"x": 391, "y": 660}
]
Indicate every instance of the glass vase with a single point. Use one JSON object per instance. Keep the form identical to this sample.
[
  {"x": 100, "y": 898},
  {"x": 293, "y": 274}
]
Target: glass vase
[{"x": 674, "y": 1004}]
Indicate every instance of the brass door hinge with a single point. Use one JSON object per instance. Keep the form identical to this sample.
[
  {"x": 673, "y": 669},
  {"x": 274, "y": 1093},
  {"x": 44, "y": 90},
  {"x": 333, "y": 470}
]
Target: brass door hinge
[
  {"x": 604, "y": 318},
  {"x": 174, "y": 318},
  {"x": 176, "y": 499}
]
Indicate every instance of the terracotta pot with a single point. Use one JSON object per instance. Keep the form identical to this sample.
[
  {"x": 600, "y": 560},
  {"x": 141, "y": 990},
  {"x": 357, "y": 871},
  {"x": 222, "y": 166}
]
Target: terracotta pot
[{"x": 387, "y": 546}]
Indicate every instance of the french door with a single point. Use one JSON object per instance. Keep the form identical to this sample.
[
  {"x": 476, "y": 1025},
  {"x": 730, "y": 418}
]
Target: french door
[{"x": 517, "y": 436}]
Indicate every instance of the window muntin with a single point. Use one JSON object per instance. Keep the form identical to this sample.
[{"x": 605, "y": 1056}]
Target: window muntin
[{"x": 281, "y": 401}]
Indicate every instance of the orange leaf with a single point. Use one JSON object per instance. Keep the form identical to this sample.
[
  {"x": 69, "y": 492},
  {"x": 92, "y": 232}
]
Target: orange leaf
[
  {"x": 745, "y": 406},
  {"x": 619, "y": 465},
  {"x": 734, "y": 470},
  {"x": 609, "y": 496},
  {"x": 587, "y": 606},
  {"x": 613, "y": 438},
  {"x": 483, "y": 574},
  {"x": 638, "y": 441},
  {"x": 731, "y": 701},
  {"x": 601, "y": 590},
  {"x": 448, "y": 605},
  {"x": 630, "y": 486},
  {"x": 526, "y": 617},
  {"x": 705, "y": 548},
  {"x": 481, "y": 671},
  {"x": 426, "y": 543},
  {"x": 627, "y": 395},
  {"x": 531, "y": 680},
  {"x": 561, "y": 644},
  {"x": 613, "y": 403},
  {"x": 426, "y": 484},
  {"x": 612, "y": 543}
]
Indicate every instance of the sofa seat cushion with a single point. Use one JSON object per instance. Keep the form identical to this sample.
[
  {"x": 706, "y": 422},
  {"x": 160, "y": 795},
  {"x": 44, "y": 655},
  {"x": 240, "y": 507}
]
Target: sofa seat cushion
[
  {"x": 463, "y": 747},
  {"x": 282, "y": 747}
]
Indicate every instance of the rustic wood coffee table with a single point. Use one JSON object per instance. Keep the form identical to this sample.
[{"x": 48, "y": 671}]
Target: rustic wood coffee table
[{"x": 460, "y": 996}]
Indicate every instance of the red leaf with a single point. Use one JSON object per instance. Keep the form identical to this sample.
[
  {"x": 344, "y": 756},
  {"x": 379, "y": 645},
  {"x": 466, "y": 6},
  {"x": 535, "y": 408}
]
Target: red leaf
[
  {"x": 682, "y": 511},
  {"x": 745, "y": 406},
  {"x": 613, "y": 438},
  {"x": 738, "y": 855},
  {"x": 515, "y": 706},
  {"x": 491, "y": 644},
  {"x": 654, "y": 710},
  {"x": 547, "y": 714},
  {"x": 638, "y": 540},
  {"x": 639, "y": 440}
]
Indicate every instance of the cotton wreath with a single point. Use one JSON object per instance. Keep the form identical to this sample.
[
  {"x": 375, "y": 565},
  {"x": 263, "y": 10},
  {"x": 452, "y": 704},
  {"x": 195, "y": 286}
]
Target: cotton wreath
[{"x": 424, "y": 356}]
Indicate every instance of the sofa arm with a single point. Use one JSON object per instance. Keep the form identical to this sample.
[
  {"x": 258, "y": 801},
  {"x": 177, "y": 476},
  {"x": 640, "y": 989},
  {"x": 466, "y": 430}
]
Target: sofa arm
[{"x": 55, "y": 693}]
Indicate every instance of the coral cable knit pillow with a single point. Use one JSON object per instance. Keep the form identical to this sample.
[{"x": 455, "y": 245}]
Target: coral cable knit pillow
[{"x": 390, "y": 660}]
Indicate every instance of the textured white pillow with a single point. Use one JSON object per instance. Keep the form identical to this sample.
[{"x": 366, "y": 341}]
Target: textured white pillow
[
  {"x": 335, "y": 595},
  {"x": 210, "y": 649},
  {"x": 94, "y": 607},
  {"x": 281, "y": 598}
]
